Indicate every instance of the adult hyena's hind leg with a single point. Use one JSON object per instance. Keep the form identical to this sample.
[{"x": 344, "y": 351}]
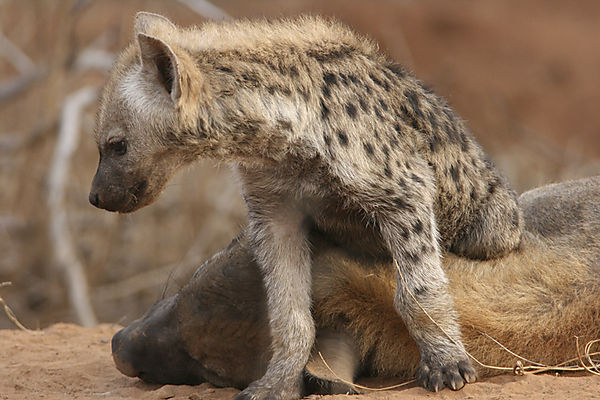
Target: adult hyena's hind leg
[{"x": 495, "y": 227}]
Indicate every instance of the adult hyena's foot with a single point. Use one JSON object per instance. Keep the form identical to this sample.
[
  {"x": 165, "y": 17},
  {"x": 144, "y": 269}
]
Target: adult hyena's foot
[
  {"x": 434, "y": 374},
  {"x": 259, "y": 391}
]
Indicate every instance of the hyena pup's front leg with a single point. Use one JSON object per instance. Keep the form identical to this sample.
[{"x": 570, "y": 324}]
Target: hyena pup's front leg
[
  {"x": 412, "y": 239},
  {"x": 281, "y": 248}
]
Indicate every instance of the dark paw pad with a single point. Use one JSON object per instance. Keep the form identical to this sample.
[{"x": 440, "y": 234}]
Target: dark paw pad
[{"x": 453, "y": 374}]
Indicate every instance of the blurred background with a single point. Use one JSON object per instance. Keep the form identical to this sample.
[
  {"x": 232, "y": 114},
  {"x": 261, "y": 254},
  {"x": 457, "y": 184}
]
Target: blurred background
[{"x": 524, "y": 75}]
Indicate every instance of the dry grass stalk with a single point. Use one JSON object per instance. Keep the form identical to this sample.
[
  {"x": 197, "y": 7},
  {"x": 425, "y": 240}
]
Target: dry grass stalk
[{"x": 11, "y": 315}]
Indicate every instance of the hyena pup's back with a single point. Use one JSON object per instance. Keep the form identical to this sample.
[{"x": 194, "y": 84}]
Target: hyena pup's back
[{"x": 326, "y": 132}]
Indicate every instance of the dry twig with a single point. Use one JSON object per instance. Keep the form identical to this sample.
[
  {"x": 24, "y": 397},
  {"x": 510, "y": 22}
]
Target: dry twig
[{"x": 11, "y": 53}]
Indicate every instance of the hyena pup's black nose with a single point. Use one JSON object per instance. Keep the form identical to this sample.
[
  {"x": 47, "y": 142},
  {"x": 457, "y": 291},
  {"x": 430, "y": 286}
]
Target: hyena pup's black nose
[{"x": 94, "y": 199}]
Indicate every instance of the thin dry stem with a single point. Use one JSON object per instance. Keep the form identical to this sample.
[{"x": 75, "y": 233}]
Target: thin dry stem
[
  {"x": 588, "y": 369},
  {"x": 361, "y": 386},
  {"x": 11, "y": 315}
]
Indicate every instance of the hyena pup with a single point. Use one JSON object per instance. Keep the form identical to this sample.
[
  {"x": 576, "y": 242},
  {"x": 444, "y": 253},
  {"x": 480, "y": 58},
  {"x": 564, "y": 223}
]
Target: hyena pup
[{"x": 326, "y": 133}]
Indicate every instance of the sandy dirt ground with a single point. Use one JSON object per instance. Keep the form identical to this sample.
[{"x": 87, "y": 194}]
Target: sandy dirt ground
[{"x": 71, "y": 362}]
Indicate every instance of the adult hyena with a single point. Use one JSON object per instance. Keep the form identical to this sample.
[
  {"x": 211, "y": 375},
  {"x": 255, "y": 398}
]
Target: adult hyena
[{"x": 325, "y": 132}]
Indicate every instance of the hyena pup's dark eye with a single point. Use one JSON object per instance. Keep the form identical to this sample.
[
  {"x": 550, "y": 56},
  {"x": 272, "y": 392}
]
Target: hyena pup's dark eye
[{"x": 118, "y": 147}]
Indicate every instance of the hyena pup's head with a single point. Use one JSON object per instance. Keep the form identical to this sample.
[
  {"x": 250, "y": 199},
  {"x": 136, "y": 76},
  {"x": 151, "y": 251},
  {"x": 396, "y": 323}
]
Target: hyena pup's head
[{"x": 147, "y": 108}]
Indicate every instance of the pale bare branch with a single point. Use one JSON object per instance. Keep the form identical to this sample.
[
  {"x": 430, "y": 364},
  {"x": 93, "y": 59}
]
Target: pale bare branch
[
  {"x": 15, "y": 56},
  {"x": 64, "y": 250}
]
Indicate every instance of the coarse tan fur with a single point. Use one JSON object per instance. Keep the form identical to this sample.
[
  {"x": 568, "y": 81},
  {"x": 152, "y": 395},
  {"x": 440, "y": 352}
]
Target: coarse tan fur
[
  {"x": 326, "y": 133},
  {"x": 534, "y": 301}
]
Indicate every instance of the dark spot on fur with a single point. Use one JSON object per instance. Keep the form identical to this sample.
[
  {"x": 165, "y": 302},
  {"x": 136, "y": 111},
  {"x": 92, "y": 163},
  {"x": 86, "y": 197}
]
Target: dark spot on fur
[
  {"x": 398, "y": 129},
  {"x": 329, "y": 55},
  {"x": 386, "y": 151},
  {"x": 327, "y": 139},
  {"x": 304, "y": 93},
  {"x": 343, "y": 138},
  {"x": 271, "y": 89},
  {"x": 401, "y": 204},
  {"x": 408, "y": 117},
  {"x": 493, "y": 186},
  {"x": 464, "y": 142},
  {"x": 286, "y": 91},
  {"x": 432, "y": 121},
  {"x": 388, "y": 191},
  {"x": 294, "y": 71},
  {"x": 454, "y": 173},
  {"x": 363, "y": 104},
  {"x": 344, "y": 79},
  {"x": 351, "y": 110},
  {"x": 384, "y": 105},
  {"x": 329, "y": 78},
  {"x": 397, "y": 70},
  {"x": 473, "y": 196},
  {"x": 271, "y": 66},
  {"x": 375, "y": 79},
  {"x": 379, "y": 82},
  {"x": 376, "y": 134},
  {"x": 324, "y": 110},
  {"x": 417, "y": 179},
  {"x": 378, "y": 113},
  {"x": 326, "y": 91},
  {"x": 284, "y": 124},
  {"x": 369, "y": 149},
  {"x": 250, "y": 77},
  {"x": 418, "y": 227},
  {"x": 404, "y": 232},
  {"x": 413, "y": 99},
  {"x": 225, "y": 69},
  {"x": 353, "y": 78},
  {"x": 402, "y": 183},
  {"x": 388, "y": 172},
  {"x": 413, "y": 258},
  {"x": 434, "y": 143},
  {"x": 420, "y": 291}
]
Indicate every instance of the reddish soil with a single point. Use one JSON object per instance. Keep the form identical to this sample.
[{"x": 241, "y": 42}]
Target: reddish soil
[{"x": 71, "y": 362}]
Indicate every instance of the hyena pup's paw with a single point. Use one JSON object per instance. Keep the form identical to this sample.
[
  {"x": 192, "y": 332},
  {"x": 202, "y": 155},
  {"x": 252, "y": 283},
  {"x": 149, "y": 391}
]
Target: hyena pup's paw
[
  {"x": 259, "y": 391},
  {"x": 433, "y": 374}
]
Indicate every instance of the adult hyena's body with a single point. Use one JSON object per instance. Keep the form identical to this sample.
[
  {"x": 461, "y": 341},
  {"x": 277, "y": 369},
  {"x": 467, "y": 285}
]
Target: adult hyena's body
[{"x": 324, "y": 131}]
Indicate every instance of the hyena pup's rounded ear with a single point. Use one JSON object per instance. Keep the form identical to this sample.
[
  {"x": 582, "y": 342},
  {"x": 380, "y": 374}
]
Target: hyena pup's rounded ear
[
  {"x": 159, "y": 60},
  {"x": 150, "y": 23}
]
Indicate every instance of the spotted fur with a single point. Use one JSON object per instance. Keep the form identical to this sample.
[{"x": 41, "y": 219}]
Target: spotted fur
[{"x": 325, "y": 132}]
